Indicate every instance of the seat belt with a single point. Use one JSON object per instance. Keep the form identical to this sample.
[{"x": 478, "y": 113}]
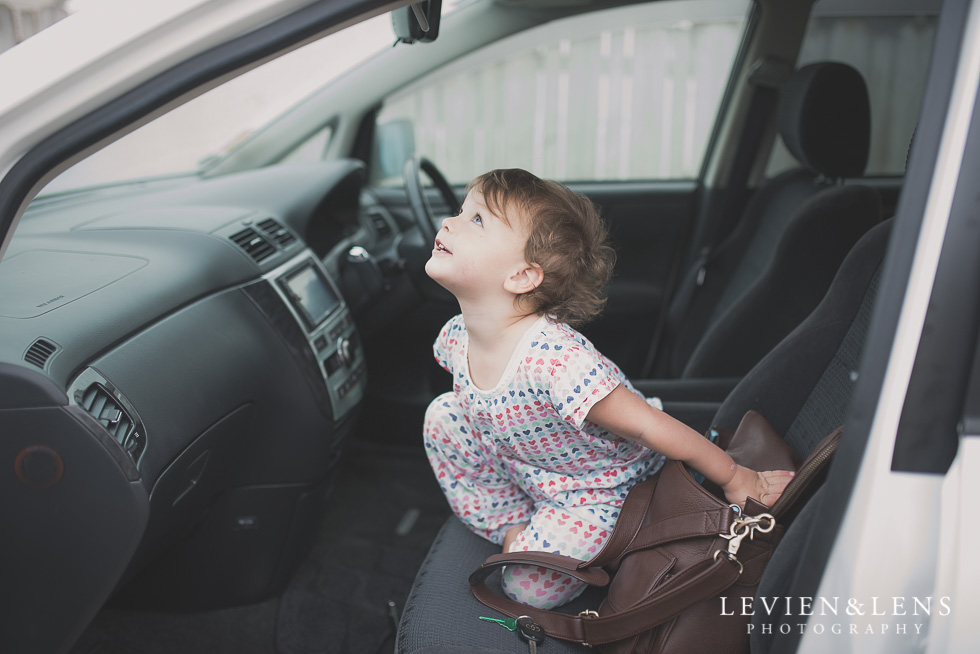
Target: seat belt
[
  {"x": 766, "y": 78},
  {"x": 681, "y": 303}
]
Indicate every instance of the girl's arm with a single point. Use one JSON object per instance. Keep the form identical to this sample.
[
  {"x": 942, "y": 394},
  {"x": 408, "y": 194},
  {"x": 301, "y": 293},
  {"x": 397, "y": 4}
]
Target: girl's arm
[{"x": 629, "y": 417}]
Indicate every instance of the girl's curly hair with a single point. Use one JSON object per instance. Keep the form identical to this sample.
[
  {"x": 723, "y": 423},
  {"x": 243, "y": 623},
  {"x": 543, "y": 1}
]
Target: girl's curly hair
[{"x": 566, "y": 237}]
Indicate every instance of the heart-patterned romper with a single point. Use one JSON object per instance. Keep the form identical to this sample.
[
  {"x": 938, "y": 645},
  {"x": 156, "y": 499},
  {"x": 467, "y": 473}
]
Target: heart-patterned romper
[{"x": 524, "y": 451}]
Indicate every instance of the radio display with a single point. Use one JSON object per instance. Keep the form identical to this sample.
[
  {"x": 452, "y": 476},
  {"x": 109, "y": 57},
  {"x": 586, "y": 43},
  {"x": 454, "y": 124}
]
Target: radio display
[{"x": 311, "y": 294}]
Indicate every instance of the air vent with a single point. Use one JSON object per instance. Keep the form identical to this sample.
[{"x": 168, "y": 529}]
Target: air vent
[
  {"x": 254, "y": 244},
  {"x": 381, "y": 225},
  {"x": 282, "y": 236},
  {"x": 93, "y": 393},
  {"x": 39, "y": 352},
  {"x": 105, "y": 408}
]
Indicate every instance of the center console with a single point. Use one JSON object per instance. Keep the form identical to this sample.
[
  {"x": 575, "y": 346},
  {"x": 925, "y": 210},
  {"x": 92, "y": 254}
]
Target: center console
[{"x": 316, "y": 304}]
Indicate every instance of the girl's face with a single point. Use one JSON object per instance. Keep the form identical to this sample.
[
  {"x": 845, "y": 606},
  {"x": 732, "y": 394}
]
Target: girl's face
[{"x": 476, "y": 251}]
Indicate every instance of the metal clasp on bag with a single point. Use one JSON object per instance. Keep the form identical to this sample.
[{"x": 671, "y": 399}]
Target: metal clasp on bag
[
  {"x": 730, "y": 557},
  {"x": 744, "y": 525},
  {"x": 588, "y": 614}
]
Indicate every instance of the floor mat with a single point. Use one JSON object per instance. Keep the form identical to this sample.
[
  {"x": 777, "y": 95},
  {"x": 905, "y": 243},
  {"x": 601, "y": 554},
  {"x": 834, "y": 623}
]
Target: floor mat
[
  {"x": 241, "y": 630},
  {"x": 384, "y": 514},
  {"x": 347, "y": 595}
]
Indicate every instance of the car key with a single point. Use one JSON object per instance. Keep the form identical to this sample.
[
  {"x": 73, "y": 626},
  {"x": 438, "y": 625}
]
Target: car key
[{"x": 530, "y": 632}]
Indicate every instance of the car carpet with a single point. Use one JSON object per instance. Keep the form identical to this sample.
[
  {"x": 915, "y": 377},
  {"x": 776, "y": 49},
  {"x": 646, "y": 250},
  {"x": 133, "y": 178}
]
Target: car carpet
[
  {"x": 347, "y": 595},
  {"x": 385, "y": 512},
  {"x": 241, "y": 630}
]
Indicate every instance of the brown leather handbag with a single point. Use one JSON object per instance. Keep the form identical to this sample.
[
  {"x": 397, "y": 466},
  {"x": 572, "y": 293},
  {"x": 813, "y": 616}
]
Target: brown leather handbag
[{"x": 681, "y": 559}]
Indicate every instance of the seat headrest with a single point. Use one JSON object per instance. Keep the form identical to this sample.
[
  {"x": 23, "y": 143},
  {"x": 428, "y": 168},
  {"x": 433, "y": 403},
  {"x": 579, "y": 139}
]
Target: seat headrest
[{"x": 825, "y": 119}]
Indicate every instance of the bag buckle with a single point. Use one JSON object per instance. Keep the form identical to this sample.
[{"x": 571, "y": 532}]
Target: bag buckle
[
  {"x": 745, "y": 525},
  {"x": 588, "y": 614}
]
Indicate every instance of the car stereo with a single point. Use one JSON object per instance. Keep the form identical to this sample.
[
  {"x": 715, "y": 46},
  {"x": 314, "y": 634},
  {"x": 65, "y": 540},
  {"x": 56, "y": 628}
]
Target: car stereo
[
  {"x": 310, "y": 294},
  {"x": 315, "y": 302}
]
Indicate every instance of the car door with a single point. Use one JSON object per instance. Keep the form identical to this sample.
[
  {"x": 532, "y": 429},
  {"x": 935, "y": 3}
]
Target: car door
[
  {"x": 909, "y": 449},
  {"x": 618, "y": 104}
]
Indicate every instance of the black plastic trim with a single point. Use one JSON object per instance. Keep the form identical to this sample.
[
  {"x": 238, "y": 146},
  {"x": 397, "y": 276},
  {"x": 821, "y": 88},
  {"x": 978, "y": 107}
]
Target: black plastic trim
[
  {"x": 927, "y": 436},
  {"x": 713, "y": 202},
  {"x": 969, "y": 426},
  {"x": 843, "y": 473},
  {"x": 265, "y": 298},
  {"x": 363, "y": 147},
  {"x": 751, "y": 24},
  {"x": 166, "y": 87}
]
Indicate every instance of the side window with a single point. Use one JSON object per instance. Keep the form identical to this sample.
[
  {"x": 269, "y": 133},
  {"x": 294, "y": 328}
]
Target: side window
[
  {"x": 622, "y": 94},
  {"x": 892, "y": 53}
]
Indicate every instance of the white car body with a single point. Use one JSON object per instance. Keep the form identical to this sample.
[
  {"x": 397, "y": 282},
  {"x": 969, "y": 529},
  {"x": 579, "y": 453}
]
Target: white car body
[{"x": 881, "y": 555}]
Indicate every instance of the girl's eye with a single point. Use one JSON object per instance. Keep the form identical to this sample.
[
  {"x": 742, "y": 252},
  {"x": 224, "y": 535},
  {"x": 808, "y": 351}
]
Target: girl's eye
[
  {"x": 478, "y": 220},
  {"x": 460, "y": 212}
]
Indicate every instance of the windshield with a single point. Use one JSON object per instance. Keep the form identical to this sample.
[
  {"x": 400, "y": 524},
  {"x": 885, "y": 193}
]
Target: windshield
[{"x": 211, "y": 124}]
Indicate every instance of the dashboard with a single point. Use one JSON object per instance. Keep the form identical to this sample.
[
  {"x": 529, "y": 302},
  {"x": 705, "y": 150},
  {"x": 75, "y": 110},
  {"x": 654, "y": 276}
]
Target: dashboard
[{"x": 179, "y": 368}]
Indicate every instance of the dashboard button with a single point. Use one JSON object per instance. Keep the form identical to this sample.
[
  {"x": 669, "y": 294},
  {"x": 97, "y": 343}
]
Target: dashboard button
[{"x": 333, "y": 363}]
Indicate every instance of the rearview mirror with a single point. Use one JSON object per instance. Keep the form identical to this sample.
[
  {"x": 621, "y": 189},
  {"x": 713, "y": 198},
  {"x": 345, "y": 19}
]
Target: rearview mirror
[{"x": 418, "y": 21}]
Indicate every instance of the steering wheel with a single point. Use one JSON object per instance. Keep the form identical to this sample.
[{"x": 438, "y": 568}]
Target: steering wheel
[{"x": 421, "y": 210}]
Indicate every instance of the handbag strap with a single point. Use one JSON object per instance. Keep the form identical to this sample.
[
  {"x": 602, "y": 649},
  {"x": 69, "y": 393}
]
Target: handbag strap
[
  {"x": 809, "y": 477},
  {"x": 581, "y": 570},
  {"x": 706, "y": 522},
  {"x": 707, "y": 578}
]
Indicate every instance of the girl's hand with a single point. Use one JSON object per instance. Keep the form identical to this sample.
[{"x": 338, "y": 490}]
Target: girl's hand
[{"x": 766, "y": 487}]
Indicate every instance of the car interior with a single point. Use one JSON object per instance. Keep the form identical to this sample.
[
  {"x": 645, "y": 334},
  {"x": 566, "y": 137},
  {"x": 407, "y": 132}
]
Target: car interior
[{"x": 212, "y": 385}]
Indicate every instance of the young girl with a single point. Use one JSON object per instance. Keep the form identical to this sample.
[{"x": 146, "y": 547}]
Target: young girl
[{"x": 542, "y": 436}]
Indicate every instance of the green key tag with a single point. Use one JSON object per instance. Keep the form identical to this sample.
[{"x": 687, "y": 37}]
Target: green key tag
[{"x": 510, "y": 624}]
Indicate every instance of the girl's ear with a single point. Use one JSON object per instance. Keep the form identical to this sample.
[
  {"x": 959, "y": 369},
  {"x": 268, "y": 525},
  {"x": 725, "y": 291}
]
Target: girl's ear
[{"x": 525, "y": 280}]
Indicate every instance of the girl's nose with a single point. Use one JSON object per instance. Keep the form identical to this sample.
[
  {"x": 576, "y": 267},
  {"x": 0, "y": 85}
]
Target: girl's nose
[{"x": 446, "y": 222}]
